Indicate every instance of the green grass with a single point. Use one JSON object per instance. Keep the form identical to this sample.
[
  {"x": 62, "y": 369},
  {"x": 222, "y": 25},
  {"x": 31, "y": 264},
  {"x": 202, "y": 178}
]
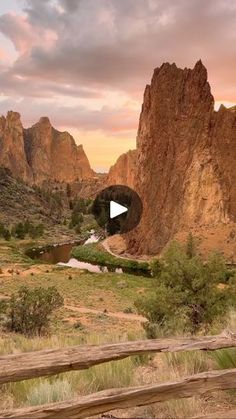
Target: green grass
[
  {"x": 95, "y": 254},
  {"x": 225, "y": 358},
  {"x": 84, "y": 289}
]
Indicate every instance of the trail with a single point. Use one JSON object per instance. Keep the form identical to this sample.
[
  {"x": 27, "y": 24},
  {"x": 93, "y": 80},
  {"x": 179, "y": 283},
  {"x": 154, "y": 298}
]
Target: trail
[
  {"x": 117, "y": 315},
  {"x": 85, "y": 310},
  {"x": 105, "y": 245}
]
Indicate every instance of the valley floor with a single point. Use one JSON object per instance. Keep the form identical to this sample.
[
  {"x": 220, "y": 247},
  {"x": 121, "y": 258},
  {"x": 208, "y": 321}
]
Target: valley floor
[{"x": 97, "y": 308}]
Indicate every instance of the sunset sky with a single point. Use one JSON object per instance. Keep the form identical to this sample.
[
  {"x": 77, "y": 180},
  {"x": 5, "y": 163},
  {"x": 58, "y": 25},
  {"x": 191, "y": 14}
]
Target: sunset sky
[{"x": 85, "y": 63}]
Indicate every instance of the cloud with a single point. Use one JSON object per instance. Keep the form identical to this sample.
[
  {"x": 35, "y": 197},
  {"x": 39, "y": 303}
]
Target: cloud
[
  {"x": 114, "y": 121},
  {"x": 116, "y": 44},
  {"x": 23, "y": 35},
  {"x": 84, "y": 48}
]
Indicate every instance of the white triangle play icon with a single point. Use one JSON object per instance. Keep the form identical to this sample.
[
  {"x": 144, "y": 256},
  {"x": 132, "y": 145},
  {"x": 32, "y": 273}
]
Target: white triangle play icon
[{"x": 116, "y": 209}]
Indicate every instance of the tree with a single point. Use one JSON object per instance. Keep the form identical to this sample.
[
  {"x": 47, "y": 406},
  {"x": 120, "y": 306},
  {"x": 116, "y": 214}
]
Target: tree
[
  {"x": 68, "y": 190},
  {"x": 30, "y": 309},
  {"x": 187, "y": 295},
  {"x": 190, "y": 246}
]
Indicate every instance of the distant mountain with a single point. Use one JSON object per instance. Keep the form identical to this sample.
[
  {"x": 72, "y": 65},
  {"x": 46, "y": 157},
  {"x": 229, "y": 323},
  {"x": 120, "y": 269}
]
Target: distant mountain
[{"x": 41, "y": 153}]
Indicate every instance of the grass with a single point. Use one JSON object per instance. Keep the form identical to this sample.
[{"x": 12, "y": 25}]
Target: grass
[
  {"x": 81, "y": 288},
  {"x": 95, "y": 254},
  {"x": 67, "y": 385},
  {"x": 226, "y": 358},
  {"x": 114, "y": 292}
]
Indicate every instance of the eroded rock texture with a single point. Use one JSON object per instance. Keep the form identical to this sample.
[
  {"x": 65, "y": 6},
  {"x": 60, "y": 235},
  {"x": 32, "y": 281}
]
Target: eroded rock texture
[
  {"x": 54, "y": 155},
  {"x": 186, "y": 154},
  {"x": 123, "y": 171},
  {"x": 41, "y": 153}
]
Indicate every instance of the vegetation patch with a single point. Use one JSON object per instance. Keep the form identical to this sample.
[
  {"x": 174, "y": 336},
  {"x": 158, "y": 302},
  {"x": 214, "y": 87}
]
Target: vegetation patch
[
  {"x": 190, "y": 294},
  {"x": 95, "y": 254}
]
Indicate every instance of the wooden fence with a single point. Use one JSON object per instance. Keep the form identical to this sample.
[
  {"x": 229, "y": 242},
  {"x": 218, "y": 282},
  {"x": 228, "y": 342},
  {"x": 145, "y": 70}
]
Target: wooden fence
[{"x": 49, "y": 362}]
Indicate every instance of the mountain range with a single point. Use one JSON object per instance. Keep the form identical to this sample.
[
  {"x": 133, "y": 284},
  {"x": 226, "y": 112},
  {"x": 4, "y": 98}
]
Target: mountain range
[
  {"x": 183, "y": 167},
  {"x": 41, "y": 153}
]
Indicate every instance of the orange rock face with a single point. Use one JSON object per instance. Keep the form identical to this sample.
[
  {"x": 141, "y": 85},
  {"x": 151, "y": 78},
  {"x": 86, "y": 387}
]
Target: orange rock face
[
  {"x": 12, "y": 152},
  {"x": 123, "y": 171},
  {"x": 186, "y": 153},
  {"x": 41, "y": 153},
  {"x": 55, "y": 155}
]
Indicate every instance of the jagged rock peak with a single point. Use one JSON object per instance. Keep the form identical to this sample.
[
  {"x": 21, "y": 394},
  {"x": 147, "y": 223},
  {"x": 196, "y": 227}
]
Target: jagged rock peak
[
  {"x": 41, "y": 153},
  {"x": 13, "y": 116},
  {"x": 44, "y": 120},
  {"x": 186, "y": 152}
]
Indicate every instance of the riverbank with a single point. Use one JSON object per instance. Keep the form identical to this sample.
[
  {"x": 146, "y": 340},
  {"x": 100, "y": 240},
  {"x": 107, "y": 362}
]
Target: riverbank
[{"x": 95, "y": 253}]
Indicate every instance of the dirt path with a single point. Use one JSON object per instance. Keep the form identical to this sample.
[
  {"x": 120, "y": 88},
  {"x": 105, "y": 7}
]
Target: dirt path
[
  {"x": 85, "y": 310},
  {"x": 105, "y": 245},
  {"x": 117, "y": 315}
]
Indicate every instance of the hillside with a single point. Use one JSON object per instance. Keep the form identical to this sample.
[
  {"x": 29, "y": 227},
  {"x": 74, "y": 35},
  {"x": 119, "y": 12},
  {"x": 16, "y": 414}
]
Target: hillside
[{"x": 19, "y": 201}]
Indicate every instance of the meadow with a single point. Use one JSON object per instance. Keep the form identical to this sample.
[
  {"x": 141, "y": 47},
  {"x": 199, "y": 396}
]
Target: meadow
[{"x": 99, "y": 308}]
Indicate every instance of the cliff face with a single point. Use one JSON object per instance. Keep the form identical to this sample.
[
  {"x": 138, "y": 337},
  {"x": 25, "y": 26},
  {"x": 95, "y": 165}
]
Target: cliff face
[
  {"x": 123, "y": 171},
  {"x": 41, "y": 153},
  {"x": 185, "y": 158},
  {"x": 12, "y": 153},
  {"x": 55, "y": 155}
]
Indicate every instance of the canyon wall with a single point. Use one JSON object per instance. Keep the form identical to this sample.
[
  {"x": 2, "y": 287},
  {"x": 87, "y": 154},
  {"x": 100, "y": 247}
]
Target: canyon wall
[
  {"x": 186, "y": 153},
  {"x": 124, "y": 170},
  {"x": 12, "y": 151},
  {"x": 41, "y": 153}
]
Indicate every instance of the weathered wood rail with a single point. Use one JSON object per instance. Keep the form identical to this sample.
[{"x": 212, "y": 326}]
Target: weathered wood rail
[
  {"x": 24, "y": 366},
  {"x": 49, "y": 362}
]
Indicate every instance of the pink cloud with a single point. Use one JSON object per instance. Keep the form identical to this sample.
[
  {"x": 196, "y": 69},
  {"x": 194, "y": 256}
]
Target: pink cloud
[{"x": 23, "y": 35}]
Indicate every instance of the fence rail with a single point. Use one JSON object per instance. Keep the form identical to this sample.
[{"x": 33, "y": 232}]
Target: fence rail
[
  {"x": 29, "y": 365},
  {"x": 49, "y": 362},
  {"x": 121, "y": 398}
]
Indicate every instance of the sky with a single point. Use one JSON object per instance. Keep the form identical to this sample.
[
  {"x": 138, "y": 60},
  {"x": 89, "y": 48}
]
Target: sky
[{"x": 85, "y": 63}]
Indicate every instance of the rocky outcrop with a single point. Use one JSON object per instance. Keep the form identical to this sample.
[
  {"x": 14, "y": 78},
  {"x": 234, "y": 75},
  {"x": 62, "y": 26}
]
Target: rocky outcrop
[
  {"x": 123, "y": 171},
  {"x": 54, "y": 155},
  {"x": 41, "y": 153},
  {"x": 12, "y": 153},
  {"x": 186, "y": 155}
]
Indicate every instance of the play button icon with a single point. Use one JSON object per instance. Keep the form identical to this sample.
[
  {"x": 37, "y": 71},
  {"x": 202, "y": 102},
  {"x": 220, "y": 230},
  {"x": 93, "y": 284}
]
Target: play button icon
[{"x": 117, "y": 209}]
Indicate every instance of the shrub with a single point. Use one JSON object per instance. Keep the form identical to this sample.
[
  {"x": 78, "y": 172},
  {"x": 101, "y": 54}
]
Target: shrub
[
  {"x": 19, "y": 231},
  {"x": 6, "y": 234},
  {"x": 156, "y": 267},
  {"x": 30, "y": 309},
  {"x": 187, "y": 295}
]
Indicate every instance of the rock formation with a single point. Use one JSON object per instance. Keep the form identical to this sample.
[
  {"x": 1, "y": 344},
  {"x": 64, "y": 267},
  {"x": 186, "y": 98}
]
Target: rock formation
[
  {"x": 54, "y": 155},
  {"x": 41, "y": 153},
  {"x": 186, "y": 153},
  {"x": 123, "y": 171},
  {"x": 12, "y": 152}
]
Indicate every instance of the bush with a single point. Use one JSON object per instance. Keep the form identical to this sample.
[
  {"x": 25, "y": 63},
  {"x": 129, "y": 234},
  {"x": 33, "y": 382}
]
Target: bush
[
  {"x": 187, "y": 295},
  {"x": 30, "y": 309},
  {"x": 4, "y": 232},
  {"x": 19, "y": 231}
]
